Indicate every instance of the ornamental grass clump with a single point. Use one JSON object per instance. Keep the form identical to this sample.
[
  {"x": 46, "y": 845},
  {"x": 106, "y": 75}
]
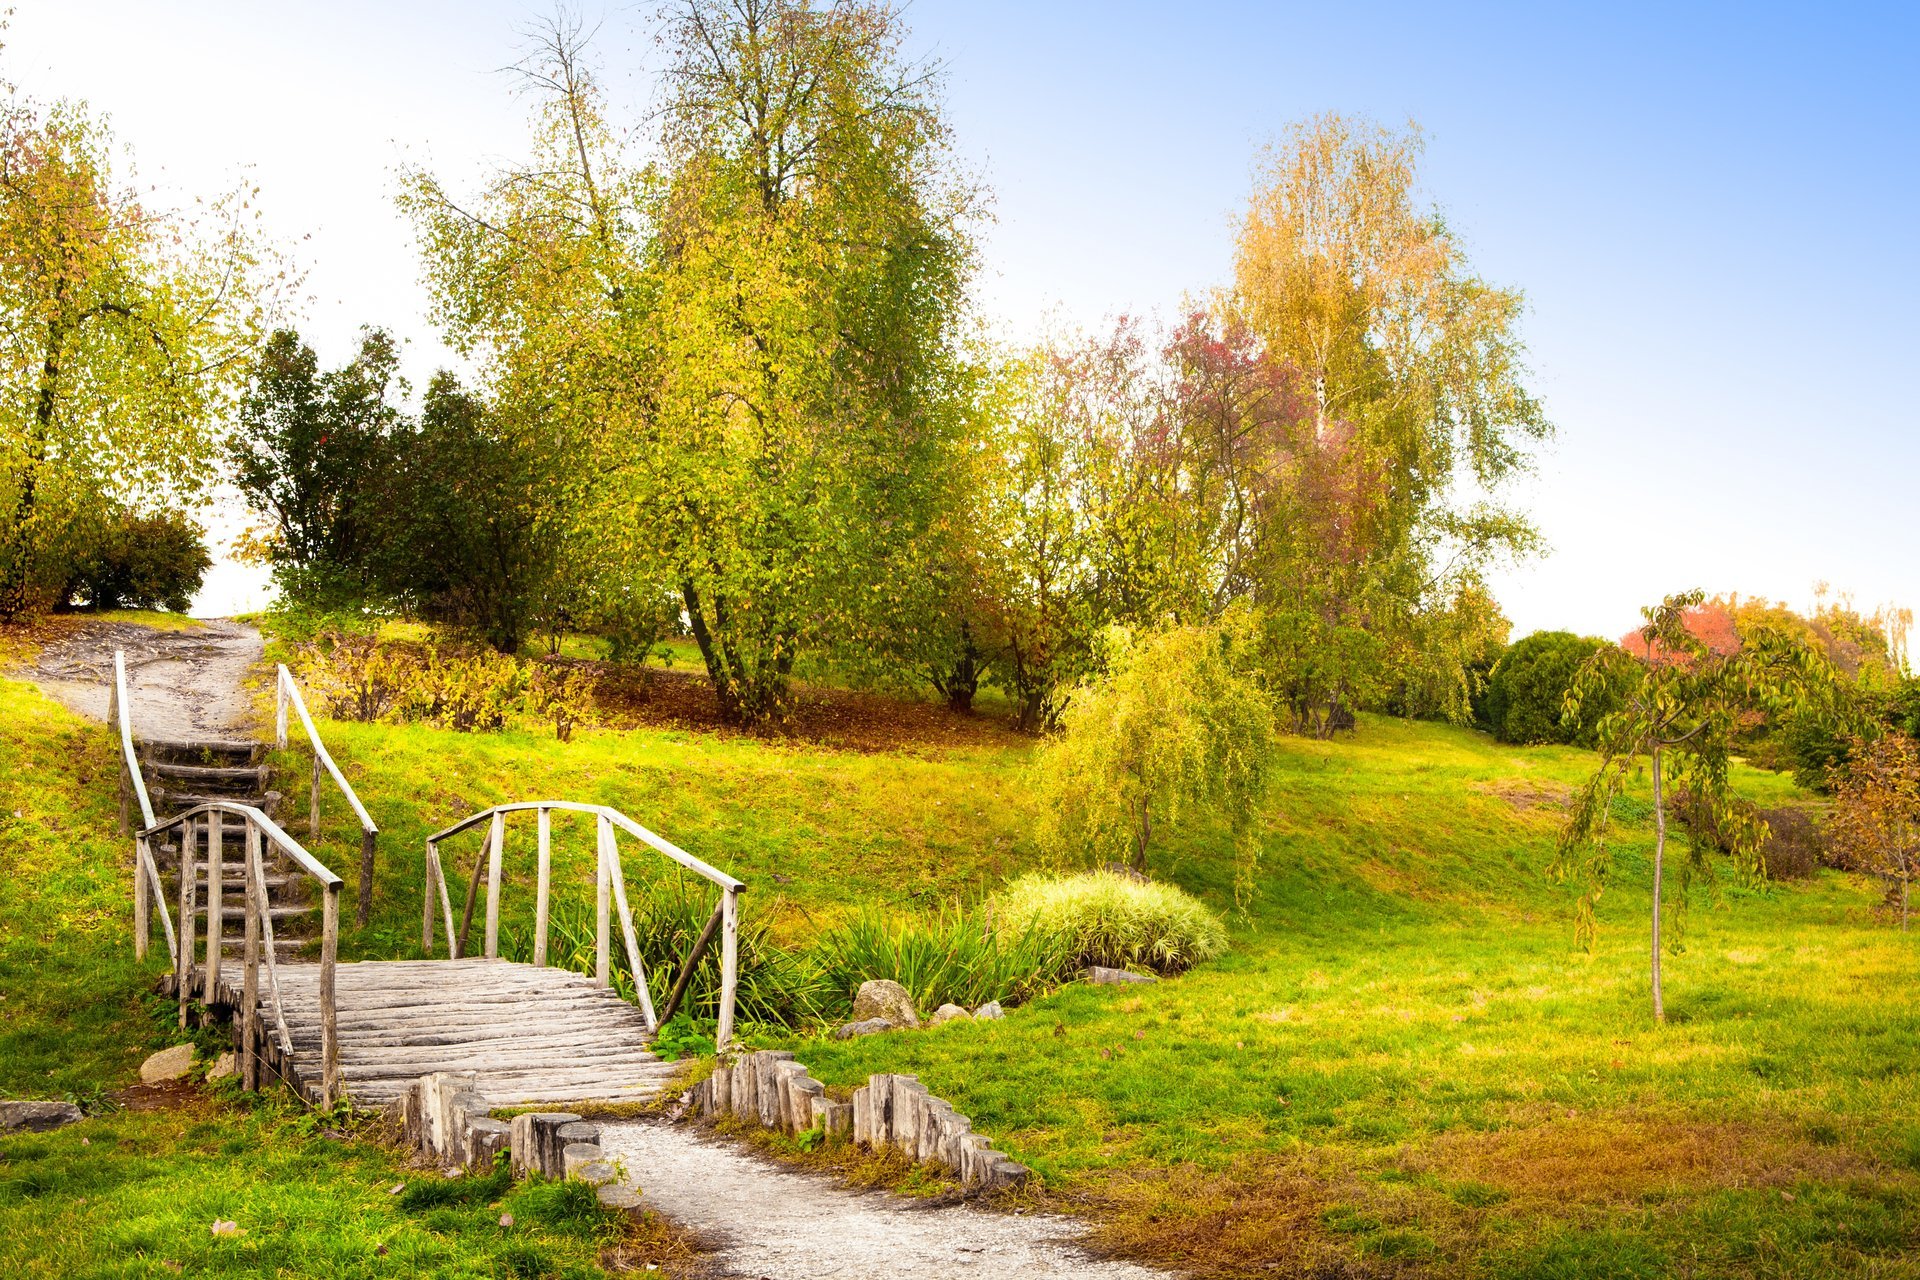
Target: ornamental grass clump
[
  {"x": 958, "y": 956},
  {"x": 1114, "y": 920}
]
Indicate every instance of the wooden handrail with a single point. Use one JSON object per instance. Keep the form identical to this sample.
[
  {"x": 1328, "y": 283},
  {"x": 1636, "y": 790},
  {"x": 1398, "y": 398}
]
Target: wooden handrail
[
  {"x": 146, "y": 873},
  {"x": 610, "y": 900},
  {"x": 286, "y": 691},
  {"x": 613, "y": 815},
  {"x": 209, "y": 819}
]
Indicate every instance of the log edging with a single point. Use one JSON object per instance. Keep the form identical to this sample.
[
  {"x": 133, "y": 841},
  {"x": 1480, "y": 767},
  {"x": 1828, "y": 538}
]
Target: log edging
[
  {"x": 771, "y": 1090},
  {"x": 443, "y": 1116}
]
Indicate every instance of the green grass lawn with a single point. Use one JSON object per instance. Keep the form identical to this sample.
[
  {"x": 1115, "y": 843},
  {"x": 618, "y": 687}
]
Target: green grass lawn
[{"x": 1404, "y": 1066}]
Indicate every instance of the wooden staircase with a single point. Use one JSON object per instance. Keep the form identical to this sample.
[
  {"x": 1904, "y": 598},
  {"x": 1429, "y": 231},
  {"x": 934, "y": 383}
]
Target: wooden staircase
[{"x": 181, "y": 775}]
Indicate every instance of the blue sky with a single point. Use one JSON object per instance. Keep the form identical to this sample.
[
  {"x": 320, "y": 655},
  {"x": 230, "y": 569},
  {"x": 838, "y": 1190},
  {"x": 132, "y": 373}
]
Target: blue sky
[{"x": 1708, "y": 208}]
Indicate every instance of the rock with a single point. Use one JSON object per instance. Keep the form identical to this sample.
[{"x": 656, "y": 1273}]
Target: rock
[
  {"x": 223, "y": 1066},
  {"x": 168, "y": 1064},
  {"x": 991, "y": 1009},
  {"x": 947, "y": 1013},
  {"x": 1103, "y": 976},
  {"x": 886, "y": 1000},
  {"x": 869, "y": 1027},
  {"x": 37, "y": 1116}
]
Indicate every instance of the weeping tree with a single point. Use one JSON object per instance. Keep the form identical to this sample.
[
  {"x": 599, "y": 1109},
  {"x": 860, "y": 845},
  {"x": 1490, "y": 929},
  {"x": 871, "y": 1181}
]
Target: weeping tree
[
  {"x": 1173, "y": 729},
  {"x": 124, "y": 331},
  {"x": 1680, "y": 705}
]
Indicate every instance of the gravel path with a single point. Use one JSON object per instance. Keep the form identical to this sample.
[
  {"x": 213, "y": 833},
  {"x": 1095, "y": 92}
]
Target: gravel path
[
  {"x": 184, "y": 686},
  {"x": 775, "y": 1223}
]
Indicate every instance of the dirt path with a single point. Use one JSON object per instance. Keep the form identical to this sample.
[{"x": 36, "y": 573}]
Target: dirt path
[
  {"x": 184, "y": 686},
  {"x": 782, "y": 1224}
]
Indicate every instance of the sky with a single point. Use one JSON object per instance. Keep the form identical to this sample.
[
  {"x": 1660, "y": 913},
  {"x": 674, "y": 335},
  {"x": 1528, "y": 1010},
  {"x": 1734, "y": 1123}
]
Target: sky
[{"x": 1708, "y": 208}]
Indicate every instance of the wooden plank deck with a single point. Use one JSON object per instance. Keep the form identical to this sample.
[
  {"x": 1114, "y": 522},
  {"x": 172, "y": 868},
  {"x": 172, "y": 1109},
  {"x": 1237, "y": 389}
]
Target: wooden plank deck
[{"x": 532, "y": 1036}]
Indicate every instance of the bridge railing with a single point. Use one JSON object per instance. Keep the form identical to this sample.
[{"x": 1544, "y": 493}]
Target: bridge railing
[
  {"x": 205, "y": 825},
  {"x": 146, "y": 874},
  {"x": 286, "y": 693},
  {"x": 610, "y": 900}
]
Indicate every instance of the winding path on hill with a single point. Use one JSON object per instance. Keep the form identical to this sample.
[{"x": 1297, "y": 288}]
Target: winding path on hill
[{"x": 185, "y": 686}]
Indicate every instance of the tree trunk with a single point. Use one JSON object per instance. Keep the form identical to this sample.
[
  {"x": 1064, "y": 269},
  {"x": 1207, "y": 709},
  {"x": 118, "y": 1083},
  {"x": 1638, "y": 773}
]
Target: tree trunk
[
  {"x": 1659, "y": 859},
  {"x": 961, "y": 680}
]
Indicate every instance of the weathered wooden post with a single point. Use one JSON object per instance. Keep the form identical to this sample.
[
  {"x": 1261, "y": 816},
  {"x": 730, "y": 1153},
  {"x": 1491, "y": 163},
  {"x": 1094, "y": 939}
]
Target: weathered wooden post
[
  {"x": 729, "y": 966},
  {"x": 142, "y": 906},
  {"x": 693, "y": 958},
  {"x": 313, "y": 810},
  {"x": 544, "y": 887},
  {"x": 364, "y": 904},
  {"x": 617, "y": 876},
  {"x": 602, "y": 952},
  {"x": 184, "y": 960},
  {"x": 250, "y": 962},
  {"x": 216, "y": 904},
  {"x": 329, "y": 1017},
  {"x": 280, "y": 678},
  {"x": 426, "y": 902},
  {"x": 496, "y": 841}
]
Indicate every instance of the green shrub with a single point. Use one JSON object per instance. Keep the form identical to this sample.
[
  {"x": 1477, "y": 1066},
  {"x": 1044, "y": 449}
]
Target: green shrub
[
  {"x": 960, "y": 957},
  {"x": 1527, "y": 687},
  {"x": 141, "y": 562},
  {"x": 1101, "y": 918}
]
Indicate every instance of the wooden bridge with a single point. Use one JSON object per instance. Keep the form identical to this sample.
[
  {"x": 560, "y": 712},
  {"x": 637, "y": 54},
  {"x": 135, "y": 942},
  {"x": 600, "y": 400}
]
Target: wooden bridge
[{"x": 363, "y": 1032}]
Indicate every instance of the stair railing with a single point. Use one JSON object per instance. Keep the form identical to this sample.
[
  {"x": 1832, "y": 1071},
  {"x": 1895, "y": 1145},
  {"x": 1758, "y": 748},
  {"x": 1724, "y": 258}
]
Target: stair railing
[
  {"x": 146, "y": 873},
  {"x": 611, "y": 893},
  {"x": 205, "y": 825},
  {"x": 286, "y": 692}
]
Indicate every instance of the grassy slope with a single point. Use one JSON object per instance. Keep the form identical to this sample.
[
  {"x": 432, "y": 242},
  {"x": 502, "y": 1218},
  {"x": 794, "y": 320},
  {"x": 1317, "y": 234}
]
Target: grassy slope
[
  {"x": 1405, "y": 1062},
  {"x": 134, "y": 1194},
  {"x": 1406, "y": 1058}
]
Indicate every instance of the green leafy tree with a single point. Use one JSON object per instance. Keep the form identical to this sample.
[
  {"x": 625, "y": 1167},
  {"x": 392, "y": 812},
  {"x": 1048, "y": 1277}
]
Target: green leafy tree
[
  {"x": 1526, "y": 692},
  {"x": 808, "y": 272},
  {"x": 466, "y": 532},
  {"x": 1173, "y": 728},
  {"x": 749, "y": 349},
  {"x": 142, "y": 562},
  {"x": 1682, "y": 704},
  {"x": 124, "y": 331},
  {"x": 312, "y": 451},
  {"x": 1875, "y": 824}
]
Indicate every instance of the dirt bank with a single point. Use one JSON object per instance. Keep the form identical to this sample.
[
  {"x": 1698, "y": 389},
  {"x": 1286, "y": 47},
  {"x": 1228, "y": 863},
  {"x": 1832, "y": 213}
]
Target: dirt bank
[{"x": 184, "y": 686}]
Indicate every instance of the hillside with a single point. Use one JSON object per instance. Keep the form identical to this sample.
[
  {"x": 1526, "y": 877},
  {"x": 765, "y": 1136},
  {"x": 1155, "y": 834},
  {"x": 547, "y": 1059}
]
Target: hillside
[{"x": 1404, "y": 1064}]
